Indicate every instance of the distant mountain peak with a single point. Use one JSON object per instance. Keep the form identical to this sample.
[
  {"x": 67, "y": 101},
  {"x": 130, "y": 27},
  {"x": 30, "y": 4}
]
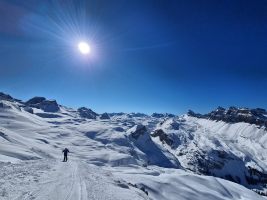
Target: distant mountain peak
[
  {"x": 257, "y": 116},
  {"x": 35, "y": 100},
  {"x": 44, "y": 104},
  {"x": 161, "y": 115},
  {"x": 87, "y": 113},
  {"x": 7, "y": 97}
]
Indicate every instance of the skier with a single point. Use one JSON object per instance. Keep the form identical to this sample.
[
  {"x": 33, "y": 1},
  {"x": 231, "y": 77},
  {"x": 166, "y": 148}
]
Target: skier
[{"x": 65, "y": 151}]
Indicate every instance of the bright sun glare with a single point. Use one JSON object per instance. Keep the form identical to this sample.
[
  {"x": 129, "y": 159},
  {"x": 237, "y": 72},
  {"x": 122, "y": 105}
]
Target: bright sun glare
[{"x": 84, "y": 47}]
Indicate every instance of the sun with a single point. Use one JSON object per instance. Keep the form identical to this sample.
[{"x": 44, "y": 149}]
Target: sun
[{"x": 84, "y": 47}]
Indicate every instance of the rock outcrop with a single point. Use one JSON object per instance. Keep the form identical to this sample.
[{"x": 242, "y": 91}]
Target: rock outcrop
[
  {"x": 161, "y": 115},
  {"x": 104, "y": 116},
  {"x": 28, "y": 109},
  {"x": 87, "y": 113},
  {"x": 35, "y": 100},
  {"x": 163, "y": 137},
  {"x": 256, "y": 116},
  {"x": 44, "y": 104},
  {"x": 138, "y": 131},
  {"x": 6, "y": 97}
]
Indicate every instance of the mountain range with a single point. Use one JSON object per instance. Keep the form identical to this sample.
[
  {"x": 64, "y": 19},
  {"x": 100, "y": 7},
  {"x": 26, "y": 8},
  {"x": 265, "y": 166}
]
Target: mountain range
[{"x": 218, "y": 155}]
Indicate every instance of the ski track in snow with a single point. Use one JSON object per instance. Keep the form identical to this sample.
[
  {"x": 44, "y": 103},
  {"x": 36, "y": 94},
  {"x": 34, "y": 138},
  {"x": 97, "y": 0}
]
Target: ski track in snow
[
  {"x": 72, "y": 180},
  {"x": 65, "y": 183},
  {"x": 48, "y": 179}
]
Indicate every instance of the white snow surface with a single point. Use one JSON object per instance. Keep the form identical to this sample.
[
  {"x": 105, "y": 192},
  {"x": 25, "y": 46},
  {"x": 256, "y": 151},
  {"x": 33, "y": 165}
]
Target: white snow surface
[{"x": 105, "y": 162}]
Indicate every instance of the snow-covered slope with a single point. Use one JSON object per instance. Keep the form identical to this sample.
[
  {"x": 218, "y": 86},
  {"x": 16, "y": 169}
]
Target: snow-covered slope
[
  {"x": 125, "y": 156},
  {"x": 236, "y": 151}
]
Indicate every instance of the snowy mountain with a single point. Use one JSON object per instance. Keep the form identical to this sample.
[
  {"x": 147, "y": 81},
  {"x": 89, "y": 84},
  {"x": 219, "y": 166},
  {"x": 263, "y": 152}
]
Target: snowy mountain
[
  {"x": 220, "y": 155},
  {"x": 256, "y": 116}
]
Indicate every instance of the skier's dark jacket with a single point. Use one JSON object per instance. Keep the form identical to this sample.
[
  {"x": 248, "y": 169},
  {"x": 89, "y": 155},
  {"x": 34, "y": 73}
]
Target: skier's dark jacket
[{"x": 65, "y": 151}]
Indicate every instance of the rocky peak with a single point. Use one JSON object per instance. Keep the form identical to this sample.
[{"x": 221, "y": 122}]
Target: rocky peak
[
  {"x": 161, "y": 115},
  {"x": 104, "y": 116},
  {"x": 87, "y": 113},
  {"x": 136, "y": 115},
  {"x": 35, "y": 100},
  {"x": 44, "y": 104},
  {"x": 7, "y": 97},
  {"x": 116, "y": 114},
  {"x": 4, "y": 96},
  {"x": 49, "y": 106},
  {"x": 193, "y": 114},
  {"x": 163, "y": 137},
  {"x": 257, "y": 116},
  {"x": 138, "y": 131}
]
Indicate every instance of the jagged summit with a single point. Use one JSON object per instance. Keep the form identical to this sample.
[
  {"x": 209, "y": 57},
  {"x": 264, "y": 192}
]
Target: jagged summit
[
  {"x": 257, "y": 116},
  {"x": 104, "y": 116},
  {"x": 4, "y": 96},
  {"x": 7, "y": 97},
  {"x": 161, "y": 115},
  {"x": 35, "y": 100},
  {"x": 43, "y": 104},
  {"x": 87, "y": 113}
]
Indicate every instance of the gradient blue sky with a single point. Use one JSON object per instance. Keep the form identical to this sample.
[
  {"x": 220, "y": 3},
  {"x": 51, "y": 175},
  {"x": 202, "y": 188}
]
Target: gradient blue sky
[{"x": 147, "y": 56}]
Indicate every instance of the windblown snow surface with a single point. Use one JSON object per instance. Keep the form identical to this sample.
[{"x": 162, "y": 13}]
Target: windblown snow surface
[{"x": 117, "y": 158}]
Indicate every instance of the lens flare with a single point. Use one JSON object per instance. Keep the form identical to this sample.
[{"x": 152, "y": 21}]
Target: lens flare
[{"x": 84, "y": 47}]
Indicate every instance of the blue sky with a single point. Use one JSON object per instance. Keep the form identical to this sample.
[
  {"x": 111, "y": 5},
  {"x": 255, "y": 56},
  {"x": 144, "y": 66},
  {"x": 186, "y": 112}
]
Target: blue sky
[{"x": 146, "y": 56}]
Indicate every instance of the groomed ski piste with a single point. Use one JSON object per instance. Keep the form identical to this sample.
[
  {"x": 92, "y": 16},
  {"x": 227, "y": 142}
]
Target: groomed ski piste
[{"x": 114, "y": 158}]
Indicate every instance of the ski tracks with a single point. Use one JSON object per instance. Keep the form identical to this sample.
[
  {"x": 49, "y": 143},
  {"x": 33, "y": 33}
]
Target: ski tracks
[
  {"x": 63, "y": 182},
  {"x": 77, "y": 180}
]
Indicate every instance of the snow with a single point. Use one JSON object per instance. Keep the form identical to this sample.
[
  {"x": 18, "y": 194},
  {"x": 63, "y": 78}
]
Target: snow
[
  {"x": 76, "y": 179},
  {"x": 174, "y": 183},
  {"x": 106, "y": 162},
  {"x": 50, "y": 179}
]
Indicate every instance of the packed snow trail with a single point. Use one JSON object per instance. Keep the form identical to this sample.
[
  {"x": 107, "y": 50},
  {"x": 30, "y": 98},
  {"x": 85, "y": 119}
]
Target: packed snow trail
[
  {"x": 64, "y": 182},
  {"x": 49, "y": 179},
  {"x": 73, "y": 180}
]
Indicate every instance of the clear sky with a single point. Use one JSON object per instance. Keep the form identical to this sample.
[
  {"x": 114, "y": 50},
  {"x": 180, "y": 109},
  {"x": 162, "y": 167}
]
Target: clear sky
[{"x": 146, "y": 55}]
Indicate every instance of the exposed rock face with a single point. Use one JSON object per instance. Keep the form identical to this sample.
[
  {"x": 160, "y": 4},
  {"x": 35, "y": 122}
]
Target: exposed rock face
[
  {"x": 49, "y": 106},
  {"x": 171, "y": 124},
  {"x": 29, "y": 110},
  {"x": 136, "y": 115},
  {"x": 204, "y": 162},
  {"x": 104, "y": 116},
  {"x": 6, "y": 97},
  {"x": 119, "y": 129},
  {"x": 220, "y": 163},
  {"x": 233, "y": 115},
  {"x": 162, "y": 136},
  {"x": 157, "y": 115},
  {"x": 169, "y": 115},
  {"x": 116, "y": 114},
  {"x": 87, "y": 113},
  {"x": 256, "y": 116},
  {"x": 160, "y": 115},
  {"x": 44, "y": 104},
  {"x": 193, "y": 114},
  {"x": 4, "y": 106},
  {"x": 35, "y": 100},
  {"x": 152, "y": 153},
  {"x": 48, "y": 115},
  {"x": 255, "y": 176},
  {"x": 140, "y": 130},
  {"x": 175, "y": 125}
]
